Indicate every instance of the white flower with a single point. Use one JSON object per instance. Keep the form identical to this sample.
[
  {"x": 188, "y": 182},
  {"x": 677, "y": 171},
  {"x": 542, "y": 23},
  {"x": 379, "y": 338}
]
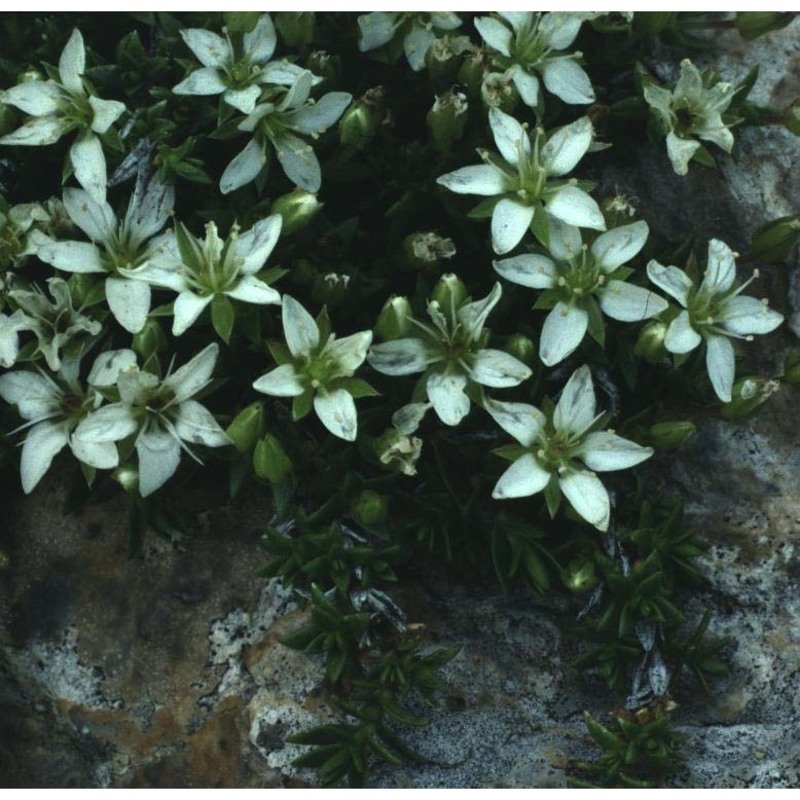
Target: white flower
[
  {"x": 417, "y": 29},
  {"x": 161, "y": 415},
  {"x": 236, "y": 73},
  {"x": 53, "y": 409},
  {"x": 451, "y": 353},
  {"x": 115, "y": 247},
  {"x": 551, "y": 448},
  {"x": 202, "y": 270},
  {"x": 523, "y": 178},
  {"x": 692, "y": 109},
  {"x": 531, "y": 47},
  {"x": 580, "y": 282},
  {"x": 56, "y": 108},
  {"x": 317, "y": 368},
  {"x": 714, "y": 312}
]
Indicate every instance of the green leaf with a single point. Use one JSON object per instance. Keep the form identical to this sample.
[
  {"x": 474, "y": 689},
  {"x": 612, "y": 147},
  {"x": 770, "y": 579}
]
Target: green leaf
[{"x": 223, "y": 316}]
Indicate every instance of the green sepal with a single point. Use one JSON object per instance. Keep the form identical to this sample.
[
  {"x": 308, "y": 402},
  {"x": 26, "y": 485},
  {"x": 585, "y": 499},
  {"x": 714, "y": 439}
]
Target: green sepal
[
  {"x": 223, "y": 316},
  {"x": 484, "y": 209},
  {"x": 552, "y": 495},
  {"x": 301, "y": 405},
  {"x": 511, "y": 452}
]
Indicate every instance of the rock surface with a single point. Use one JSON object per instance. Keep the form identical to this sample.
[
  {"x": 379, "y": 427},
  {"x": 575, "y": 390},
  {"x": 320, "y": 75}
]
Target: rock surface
[{"x": 166, "y": 671}]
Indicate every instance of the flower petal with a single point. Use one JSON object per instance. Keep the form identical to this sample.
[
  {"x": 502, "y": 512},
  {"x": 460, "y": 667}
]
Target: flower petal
[
  {"x": 481, "y": 179},
  {"x": 416, "y": 44},
  {"x": 194, "y": 375},
  {"x": 408, "y": 418},
  {"x": 37, "y": 131},
  {"x": 629, "y": 303},
  {"x": 748, "y": 315},
  {"x": 100, "y": 455},
  {"x": 72, "y": 63},
  {"x": 317, "y": 118},
  {"x": 573, "y": 206},
  {"x": 250, "y": 289},
  {"x": 522, "y": 479},
  {"x": 195, "y": 424},
  {"x": 567, "y": 146},
  {"x": 37, "y": 98},
  {"x": 520, "y": 420},
  {"x": 72, "y": 256},
  {"x": 43, "y": 442},
  {"x": 401, "y": 356},
  {"x": 680, "y": 152},
  {"x": 337, "y": 412},
  {"x": 375, "y": 29},
  {"x": 244, "y": 167},
  {"x": 675, "y": 282},
  {"x": 243, "y": 100},
  {"x": 34, "y": 395},
  {"x": 89, "y": 163},
  {"x": 299, "y": 328},
  {"x": 618, "y": 246},
  {"x": 259, "y": 43},
  {"x": 588, "y": 496},
  {"x": 349, "y": 352},
  {"x": 110, "y": 423},
  {"x": 159, "y": 455},
  {"x": 129, "y": 302},
  {"x": 106, "y": 367},
  {"x": 511, "y": 138},
  {"x": 495, "y": 34},
  {"x": 604, "y": 451},
  {"x": 210, "y": 48},
  {"x": 472, "y": 316},
  {"x": 298, "y": 161},
  {"x": 253, "y": 247},
  {"x": 562, "y": 332},
  {"x": 533, "y": 271},
  {"x": 96, "y": 220},
  {"x": 147, "y": 213},
  {"x": 510, "y": 221},
  {"x": 283, "y": 381},
  {"x": 575, "y": 410},
  {"x": 559, "y": 29},
  {"x": 565, "y": 240},
  {"x": 681, "y": 336},
  {"x": 721, "y": 269},
  {"x": 186, "y": 309},
  {"x": 106, "y": 113},
  {"x": 201, "y": 82},
  {"x": 497, "y": 369},
  {"x": 721, "y": 365},
  {"x": 446, "y": 392},
  {"x": 527, "y": 85},
  {"x": 566, "y": 79}
]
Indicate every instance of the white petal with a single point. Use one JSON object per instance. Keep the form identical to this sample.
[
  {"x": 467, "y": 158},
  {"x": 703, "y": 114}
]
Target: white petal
[
  {"x": 575, "y": 410},
  {"x": 259, "y": 43},
  {"x": 517, "y": 19},
  {"x": 37, "y": 98},
  {"x": 167, "y": 278},
  {"x": 603, "y": 451},
  {"x": 401, "y": 357},
  {"x": 675, "y": 282},
  {"x": 96, "y": 220},
  {"x": 629, "y": 303},
  {"x": 159, "y": 455},
  {"x": 408, "y": 418},
  {"x": 42, "y": 444},
  {"x": 283, "y": 73},
  {"x": 204, "y": 81},
  {"x": 33, "y": 394},
  {"x": 349, "y": 352},
  {"x": 566, "y": 79},
  {"x": 210, "y": 48},
  {"x": 527, "y": 85},
  {"x": 37, "y": 131},
  {"x": 588, "y": 496},
  {"x": 243, "y": 168},
  {"x": 560, "y": 28},
  {"x": 298, "y": 161},
  {"x": 195, "y": 424},
  {"x": 283, "y": 381},
  {"x": 721, "y": 270},
  {"x": 72, "y": 63},
  {"x": 337, "y": 412},
  {"x": 562, "y": 332},
  {"x": 618, "y": 246},
  {"x": 681, "y": 336},
  {"x": 106, "y": 367},
  {"x": 567, "y": 146},
  {"x": 495, "y": 34},
  {"x": 129, "y": 302},
  {"x": 520, "y": 420},
  {"x": 101, "y": 455},
  {"x": 445, "y": 20},
  {"x": 522, "y": 479},
  {"x": 375, "y": 29},
  {"x": 511, "y": 138},
  {"x": 497, "y": 369},
  {"x": 747, "y": 315},
  {"x": 573, "y": 206},
  {"x": 194, "y": 375},
  {"x": 106, "y": 113},
  {"x": 416, "y": 44},
  {"x": 147, "y": 213},
  {"x": 533, "y": 271},
  {"x": 298, "y": 92},
  {"x": 253, "y": 247},
  {"x": 299, "y": 327},
  {"x": 72, "y": 256},
  {"x": 565, "y": 240},
  {"x": 472, "y": 316},
  {"x": 250, "y": 289},
  {"x": 721, "y": 365},
  {"x": 481, "y": 179},
  {"x": 446, "y": 392},
  {"x": 243, "y": 100},
  {"x": 680, "y": 152},
  {"x": 109, "y": 423},
  {"x": 510, "y": 221},
  {"x": 89, "y": 163},
  {"x": 317, "y": 118},
  {"x": 186, "y": 309}
]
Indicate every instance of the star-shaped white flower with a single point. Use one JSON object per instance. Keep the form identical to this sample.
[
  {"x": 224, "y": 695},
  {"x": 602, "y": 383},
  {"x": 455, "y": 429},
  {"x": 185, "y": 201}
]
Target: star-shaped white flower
[
  {"x": 551, "y": 449},
  {"x": 580, "y": 282},
  {"x": 527, "y": 178},
  {"x": 56, "y": 108},
  {"x": 714, "y": 313}
]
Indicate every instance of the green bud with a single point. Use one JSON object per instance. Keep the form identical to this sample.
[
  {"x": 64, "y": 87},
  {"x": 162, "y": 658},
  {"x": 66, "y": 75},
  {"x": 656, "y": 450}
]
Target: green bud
[
  {"x": 449, "y": 292},
  {"x": 791, "y": 368},
  {"x": 8, "y": 119},
  {"x": 791, "y": 119},
  {"x": 498, "y": 91},
  {"x": 328, "y": 67},
  {"x": 330, "y": 289},
  {"x": 443, "y": 59},
  {"x": 617, "y": 210},
  {"x": 127, "y": 478},
  {"x": 424, "y": 250},
  {"x": 247, "y": 426},
  {"x": 370, "y": 508},
  {"x": 748, "y": 393},
  {"x": 650, "y": 344},
  {"x": 393, "y": 321},
  {"x": 752, "y": 24},
  {"x": 470, "y": 75},
  {"x": 579, "y": 575},
  {"x": 447, "y": 118},
  {"x": 776, "y": 240},
  {"x": 522, "y": 348},
  {"x": 297, "y": 208},
  {"x": 359, "y": 123},
  {"x": 398, "y": 452},
  {"x": 671, "y": 435},
  {"x": 295, "y": 27},
  {"x": 270, "y": 461},
  {"x": 150, "y": 339},
  {"x": 80, "y": 285}
]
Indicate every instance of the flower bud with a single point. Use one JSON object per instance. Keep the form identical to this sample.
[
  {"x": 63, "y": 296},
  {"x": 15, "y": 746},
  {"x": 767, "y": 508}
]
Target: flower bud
[
  {"x": 671, "y": 435},
  {"x": 424, "y": 249},
  {"x": 752, "y": 24},
  {"x": 522, "y": 348},
  {"x": 297, "y": 209},
  {"x": 370, "y": 508},
  {"x": 617, "y": 210},
  {"x": 393, "y": 321},
  {"x": 127, "y": 478},
  {"x": 398, "y": 452},
  {"x": 776, "y": 240},
  {"x": 295, "y": 27},
  {"x": 150, "y": 339},
  {"x": 449, "y": 293},
  {"x": 470, "y": 75},
  {"x": 443, "y": 59},
  {"x": 247, "y": 426},
  {"x": 447, "y": 118},
  {"x": 650, "y": 344},
  {"x": 791, "y": 368},
  {"x": 579, "y": 575},
  {"x": 328, "y": 67},
  {"x": 270, "y": 461},
  {"x": 748, "y": 393},
  {"x": 498, "y": 91},
  {"x": 359, "y": 123},
  {"x": 329, "y": 289}
]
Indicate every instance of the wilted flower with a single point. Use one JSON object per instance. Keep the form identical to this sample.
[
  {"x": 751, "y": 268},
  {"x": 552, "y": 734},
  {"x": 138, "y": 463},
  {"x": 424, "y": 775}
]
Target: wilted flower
[
  {"x": 714, "y": 312},
  {"x": 522, "y": 177},
  {"x": 581, "y": 281},
  {"x": 553, "y": 445}
]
